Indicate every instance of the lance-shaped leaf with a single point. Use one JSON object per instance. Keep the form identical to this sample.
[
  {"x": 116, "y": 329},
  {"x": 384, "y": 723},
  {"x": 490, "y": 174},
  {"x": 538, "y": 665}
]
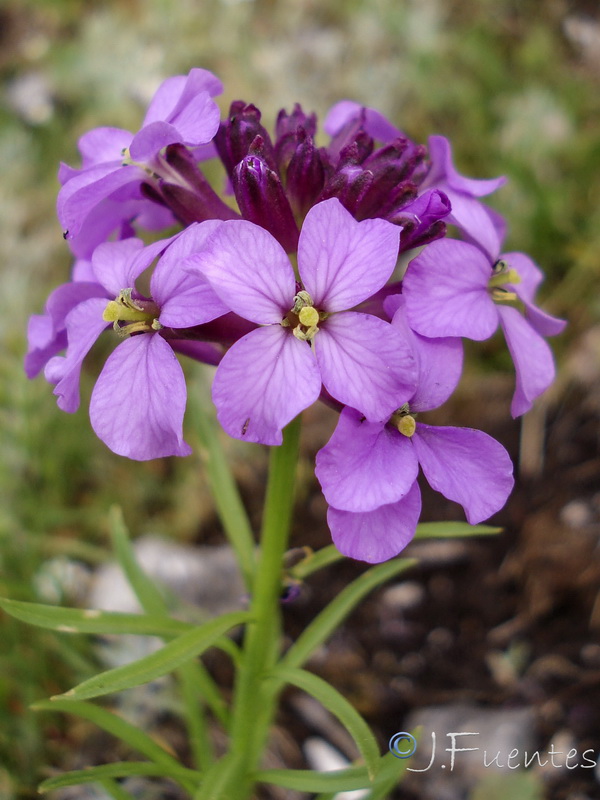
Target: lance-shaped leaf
[
  {"x": 115, "y": 725},
  {"x": 76, "y": 620},
  {"x": 451, "y": 530},
  {"x": 337, "y": 704},
  {"x": 343, "y": 780},
  {"x": 331, "y": 617},
  {"x": 177, "y": 652},
  {"x": 120, "y": 769}
]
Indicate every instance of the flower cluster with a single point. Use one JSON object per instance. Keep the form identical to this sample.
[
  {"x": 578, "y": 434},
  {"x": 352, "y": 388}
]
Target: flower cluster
[{"x": 319, "y": 273}]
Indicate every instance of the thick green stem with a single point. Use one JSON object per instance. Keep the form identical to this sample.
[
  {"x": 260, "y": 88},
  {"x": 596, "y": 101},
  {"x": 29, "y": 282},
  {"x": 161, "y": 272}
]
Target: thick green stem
[{"x": 254, "y": 703}]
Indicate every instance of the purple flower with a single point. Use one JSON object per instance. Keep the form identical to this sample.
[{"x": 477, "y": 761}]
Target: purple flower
[
  {"x": 138, "y": 402},
  {"x": 453, "y": 289},
  {"x": 105, "y": 192},
  {"x": 308, "y": 337},
  {"x": 478, "y": 223},
  {"x": 368, "y": 470}
]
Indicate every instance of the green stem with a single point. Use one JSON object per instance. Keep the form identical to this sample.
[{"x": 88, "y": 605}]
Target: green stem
[{"x": 254, "y": 703}]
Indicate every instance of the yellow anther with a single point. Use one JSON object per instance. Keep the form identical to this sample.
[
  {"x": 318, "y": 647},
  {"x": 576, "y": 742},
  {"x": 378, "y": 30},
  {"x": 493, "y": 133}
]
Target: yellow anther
[
  {"x": 406, "y": 425},
  {"x": 308, "y": 316},
  {"x": 112, "y": 311},
  {"x": 502, "y": 278}
]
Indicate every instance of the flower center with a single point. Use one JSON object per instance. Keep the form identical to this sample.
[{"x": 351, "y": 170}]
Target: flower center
[
  {"x": 503, "y": 274},
  {"x": 404, "y": 421},
  {"x": 130, "y": 315},
  {"x": 303, "y": 318}
]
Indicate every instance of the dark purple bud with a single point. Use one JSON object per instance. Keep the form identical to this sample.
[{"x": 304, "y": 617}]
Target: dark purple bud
[
  {"x": 305, "y": 177},
  {"x": 346, "y": 135},
  {"x": 189, "y": 195},
  {"x": 356, "y": 152},
  {"x": 349, "y": 185},
  {"x": 290, "y": 130},
  {"x": 262, "y": 200},
  {"x": 289, "y": 123},
  {"x": 422, "y": 220},
  {"x": 238, "y": 132}
]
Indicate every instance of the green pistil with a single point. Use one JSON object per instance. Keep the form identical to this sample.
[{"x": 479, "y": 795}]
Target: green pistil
[{"x": 138, "y": 316}]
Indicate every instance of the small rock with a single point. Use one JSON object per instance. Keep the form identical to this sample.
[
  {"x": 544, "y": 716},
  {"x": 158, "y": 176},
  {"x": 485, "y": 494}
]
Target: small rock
[{"x": 402, "y": 596}]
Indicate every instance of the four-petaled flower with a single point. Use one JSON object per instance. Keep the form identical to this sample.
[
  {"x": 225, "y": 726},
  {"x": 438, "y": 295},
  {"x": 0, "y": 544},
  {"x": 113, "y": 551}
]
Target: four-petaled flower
[
  {"x": 453, "y": 289},
  {"x": 368, "y": 470},
  {"x": 307, "y": 337},
  {"x": 139, "y": 399}
]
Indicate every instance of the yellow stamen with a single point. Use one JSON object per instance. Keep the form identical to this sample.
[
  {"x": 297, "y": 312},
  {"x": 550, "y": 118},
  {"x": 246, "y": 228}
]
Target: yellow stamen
[
  {"x": 502, "y": 278},
  {"x": 308, "y": 316},
  {"x": 406, "y": 425}
]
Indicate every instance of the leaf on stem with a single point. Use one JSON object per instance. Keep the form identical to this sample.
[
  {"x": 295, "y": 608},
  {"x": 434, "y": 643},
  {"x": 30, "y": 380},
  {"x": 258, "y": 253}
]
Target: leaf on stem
[
  {"x": 177, "y": 652},
  {"x": 337, "y": 704}
]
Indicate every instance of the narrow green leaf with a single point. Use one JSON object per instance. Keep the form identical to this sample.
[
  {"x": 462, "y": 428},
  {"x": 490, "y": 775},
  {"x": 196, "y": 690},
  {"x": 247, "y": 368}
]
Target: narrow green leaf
[
  {"x": 341, "y": 780},
  {"x": 120, "y": 769},
  {"x": 191, "y": 677},
  {"x": 305, "y": 780},
  {"x": 316, "y": 561},
  {"x": 115, "y": 790},
  {"x": 115, "y": 725},
  {"x": 224, "y": 488},
  {"x": 337, "y": 704},
  {"x": 449, "y": 530},
  {"x": 389, "y": 776},
  {"x": 76, "y": 620},
  {"x": 331, "y": 617},
  {"x": 146, "y": 590},
  {"x": 168, "y": 658}
]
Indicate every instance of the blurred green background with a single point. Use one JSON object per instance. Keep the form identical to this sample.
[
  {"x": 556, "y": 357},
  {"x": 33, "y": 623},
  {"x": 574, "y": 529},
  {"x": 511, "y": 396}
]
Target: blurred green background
[{"x": 513, "y": 83}]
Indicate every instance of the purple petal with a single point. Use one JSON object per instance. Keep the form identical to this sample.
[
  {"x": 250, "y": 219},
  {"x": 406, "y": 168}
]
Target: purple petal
[
  {"x": 83, "y": 271},
  {"x": 117, "y": 265},
  {"x": 365, "y": 464},
  {"x": 378, "y": 535},
  {"x": 249, "y": 271},
  {"x": 79, "y": 195},
  {"x": 175, "y": 92},
  {"x": 478, "y": 223},
  {"x": 530, "y": 274},
  {"x": 439, "y": 360},
  {"x": 138, "y": 402},
  {"x": 47, "y": 334},
  {"x": 198, "y": 120},
  {"x": 341, "y": 261},
  {"x": 112, "y": 264},
  {"x": 444, "y": 172},
  {"x": 44, "y": 342},
  {"x": 365, "y": 363},
  {"x": 375, "y": 124},
  {"x": 532, "y": 357},
  {"x": 446, "y": 292},
  {"x": 185, "y": 299},
  {"x": 103, "y": 144},
  {"x": 84, "y": 324},
  {"x": 151, "y": 139},
  {"x": 545, "y": 324},
  {"x": 466, "y": 466},
  {"x": 265, "y": 380}
]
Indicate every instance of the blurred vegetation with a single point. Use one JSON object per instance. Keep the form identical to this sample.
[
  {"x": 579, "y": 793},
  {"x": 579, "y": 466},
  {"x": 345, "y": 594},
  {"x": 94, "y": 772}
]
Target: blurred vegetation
[{"x": 513, "y": 84}]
